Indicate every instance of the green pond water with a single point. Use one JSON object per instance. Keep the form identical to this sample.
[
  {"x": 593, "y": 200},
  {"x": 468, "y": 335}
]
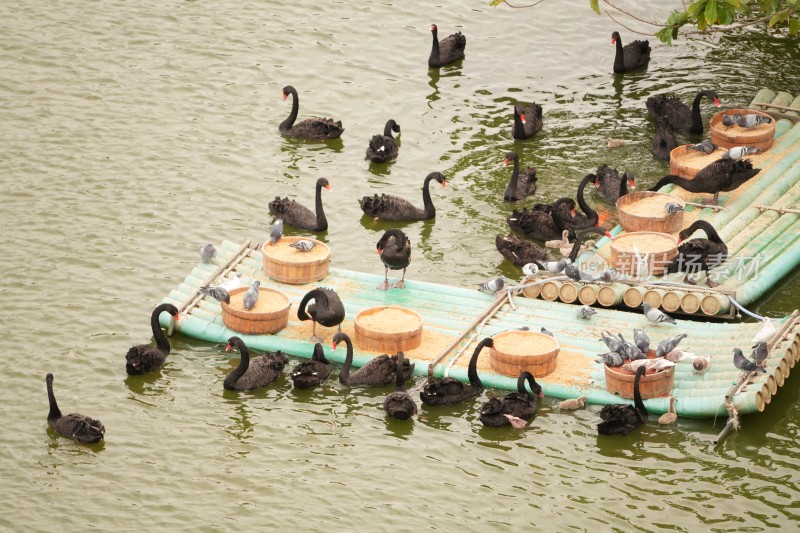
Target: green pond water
[{"x": 132, "y": 133}]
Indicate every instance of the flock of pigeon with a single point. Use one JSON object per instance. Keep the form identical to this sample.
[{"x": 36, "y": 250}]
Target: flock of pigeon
[{"x": 394, "y": 249}]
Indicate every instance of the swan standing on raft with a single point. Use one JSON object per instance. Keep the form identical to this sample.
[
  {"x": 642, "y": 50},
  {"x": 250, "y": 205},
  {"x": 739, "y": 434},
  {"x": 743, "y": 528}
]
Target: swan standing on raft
[
  {"x": 327, "y": 310},
  {"x": 298, "y": 215},
  {"x": 389, "y": 207},
  {"x": 699, "y": 254},
  {"x": 379, "y": 371},
  {"x": 310, "y": 128},
  {"x": 253, "y": 373},
  {"x": 74, "y": 426},
  {"x": 144, "y": 358},
  {"x": 394, "y": 249},
  {"x": 449, "y": 391},
  {"x": 398, "y": 404},
  {"x": 513, "y": 407},
  {"x": 446, "y": 51},
  {"x": 722, "y": 175}
]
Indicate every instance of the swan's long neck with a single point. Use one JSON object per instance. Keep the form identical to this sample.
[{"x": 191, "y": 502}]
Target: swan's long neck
[
  {"x": 399, "y": 381},
  {"x": 430, "y": 211},
  {"x": 666, "y": 180},
  {"x": 637, "y": 396},
  {"x": 387, "y": 130},
  {"x": 697, "y": 120},
  {"x": 619, "y": 58},
  {"x": 515, "y": 176},
  {"x": 472, "y": 371},
  {"x": 708, "y": 228},
  {"x": 623, "y": 186},
  {"x": 322, "y": 222},
  {"x": 344, "y": 375},
  {"x": 158, "y": 333},
  {"x": 433, "y": 60},
  {"x": 55, "y": 412},
  {"x": 244, "y": 363},
  {"x": 518, "y": 125},
  {"x": 301, "y": 309},
  {"x": 591, "y": 213},
  {"x": 525, "y": 376},
  {"x": 286, "y": 124}
]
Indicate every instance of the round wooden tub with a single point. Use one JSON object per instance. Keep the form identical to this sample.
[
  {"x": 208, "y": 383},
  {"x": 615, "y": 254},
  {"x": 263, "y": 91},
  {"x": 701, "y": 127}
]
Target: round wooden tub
[
  {"x": 651, "y": 385},
  {"x": 761, "y": 136},
  {"x": 687, "y": 163},
  {"x": 660, "y": 250},
  {"x": 388, "y": 329},
  {"x": 644, "y": 211},
  {"x": 517, "y": 351},
  {"x": 290, "y": 265},
  {"x": 268, "y": 316}
]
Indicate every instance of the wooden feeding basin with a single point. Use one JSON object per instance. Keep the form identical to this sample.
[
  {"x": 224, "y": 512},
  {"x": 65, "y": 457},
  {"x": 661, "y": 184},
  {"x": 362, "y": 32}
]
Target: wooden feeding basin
[
  {"x": 290, "y": 265},
  {"x": 761, "y": 136},
  {"x": 651, "y": 385},
  {"x": 645, "y": 211},
  {"x": 518, "y": 351},
  {"x": 268, "y": 316},
  {"x": 687, "y": 163},
  {"x": 659, "y": 250},
  {"x": 388, "y": 329}
]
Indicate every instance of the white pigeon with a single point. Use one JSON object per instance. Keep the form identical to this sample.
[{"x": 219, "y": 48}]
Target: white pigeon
[
  {"x": 234, "y": 282},
  {"x": 530, "y": 269},
  {"x": 656, "y": 316},
  {"x": 766, "y": 332}
]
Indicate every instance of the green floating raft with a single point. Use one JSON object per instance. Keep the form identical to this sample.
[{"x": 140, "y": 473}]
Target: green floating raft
[{"x": 456, "y": 318}]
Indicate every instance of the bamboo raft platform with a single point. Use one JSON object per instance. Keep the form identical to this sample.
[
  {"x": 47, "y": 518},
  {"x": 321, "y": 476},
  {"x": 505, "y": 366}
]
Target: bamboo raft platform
[
  {"x": 456, "y": 318},
  {"x": 759, "y": 222}
]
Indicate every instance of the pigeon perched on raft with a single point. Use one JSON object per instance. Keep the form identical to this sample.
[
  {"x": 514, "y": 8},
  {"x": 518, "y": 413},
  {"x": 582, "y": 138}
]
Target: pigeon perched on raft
[
  {"x": 742, "y": 363},
  {"x": 656, "y": 316}
]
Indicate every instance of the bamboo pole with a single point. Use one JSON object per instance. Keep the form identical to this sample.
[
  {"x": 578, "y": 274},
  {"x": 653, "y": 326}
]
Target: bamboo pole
[
  {"x": 768, "y": 276},
  {"x": 780, "y": 210},
  {"x": 782, "y": 108},
  {"x": 610, "y": 295}
]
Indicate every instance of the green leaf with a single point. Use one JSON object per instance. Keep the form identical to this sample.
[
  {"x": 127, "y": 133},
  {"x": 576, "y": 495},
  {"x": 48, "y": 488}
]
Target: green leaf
[
  {"x": 711, "y": 12},
  {"x": 725, "y": 16},
  {"x": 595, "y": 5},
  {"x": 701, "y": 24},
  {"x": 495, "y": 3},
  {"x": 794, "y": 25},
  {"x": 696, "y": 9},
  {"x": 665, "y": 35},
  {"x": 778, "y": 17},
  {"x": 678, "y": 18}
]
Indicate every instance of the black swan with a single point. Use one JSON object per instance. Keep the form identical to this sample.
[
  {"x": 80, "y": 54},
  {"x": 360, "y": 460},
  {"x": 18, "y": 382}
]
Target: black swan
[
  {"x": 632, "y": 56},
  {"x": 398, "y": 404},
  {"x": 676, "y": 114},
  {"x": 255, "y": 373},
  {"x": 73, "y": 426},
  {"x": 624, "y": 418},
  {"x": 610, "y": 185},
  {"x": 144, "y": 358},
  {"x": 520, "y": 185},
  {"x": 310, "y": 128},
  {"x": 394, "y": 249},
  {"x": 326, "y": 310},
  {"x": 521, "y": 252},
  {"x": 589, "y": 217},
  {"x": 720, "y": 176},
  {"x": 378, "y": 371},
  {"x": 543, "y": 222},
  {"x": 527, "y": 121},
  {"x": 383, "y": 148},
  {"x": 448, "y": 50},
  {"x": 299, "y": 216},
  {"x": 499, "y": 412},
  {"x": 664, "y": 140},
  {"x": 695, "y": 255},
  {"x": 389, "y": 207},
  {"x": 448, "y": 391},
  {"x": 312, "y": 373}
]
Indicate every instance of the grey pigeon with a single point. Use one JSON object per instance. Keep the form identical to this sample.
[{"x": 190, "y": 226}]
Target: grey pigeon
[
  {"x": 585, "y": 311},
  {"x": 493, "y": 285},
  {"x": 707, "y": 147},
  {"x": 207, "y": 253},
  {"x": 276, "y": 232},
  {"x": 743, "y": 363},
  {"x": 251, "y": 296},
  {"x": 612, "y": 358},
  {"x": 630, "y": 350},
  {"x": 760, "y": 353},
  {"x": 530, "y": 269},
  {"x": 738, "y": 152},
  {"x": 304, "y": 245},
  {"x": 656, "y": 316},
  {"x": 641, "y": 339},
  {"x": 546, "y": 332},
  {"x": 751, "y": 120},
  {"x": 218, "y": 293},
  {"x": 613, "y": 343},
  {"x": 554, "y": 267},
  {"x": 672, "y": 207},
  {"x": 667, "y": 345},
  {"x": 730, "y": 120}
]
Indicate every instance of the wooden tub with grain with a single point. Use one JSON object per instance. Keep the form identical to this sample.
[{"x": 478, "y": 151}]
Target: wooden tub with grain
[
  {"x": 517, "y": 351},
  {"x": 658, "y": 250},
  {"x": 651, "y": 385},
  {"x": 687, "y": 163},
  {"x": 761, "y": 136},
  {"x": 388, "y": 329},
  {"x": 290, "y": 265},
  {"x": 645, "y": 211},
  {"x": 268, "y": 316}
]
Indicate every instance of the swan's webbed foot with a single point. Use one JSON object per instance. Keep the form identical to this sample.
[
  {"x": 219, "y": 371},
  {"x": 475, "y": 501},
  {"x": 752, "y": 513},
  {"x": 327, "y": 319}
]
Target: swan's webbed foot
[
  {"x": 399, "y": 284},
  {"x": 688, "y": 280},
  {"x": 384, "y": 286}
]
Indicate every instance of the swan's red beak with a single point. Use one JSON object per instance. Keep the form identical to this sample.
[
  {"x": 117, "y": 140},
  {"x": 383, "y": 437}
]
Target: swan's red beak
[
  {"x": 444, "y": 184},
  {"x": 328, "y": 187},
  {"x": 541, "y": 395},
  {"x": 380, "y": 251},
  {"x": 335, "y": 344},
  {"x": 613, "y": 40},
  {"x": 522, "y": 117},
  {"x": 716, "y": 102},
  {"x": 597, "y": 184},
  {"x": 506, "y": 161},
  {"x": 608, "y": 234},
  {"x": 632, "y": 184},
  {"x": 679, "y": 240},
  {"x": 228, "y": 347},
  {"x": 602, "y": 217},
  {"x": 573, "y": 213},
  {"x": 433, "y": 27},
  {"x": 283, "y": 96}
]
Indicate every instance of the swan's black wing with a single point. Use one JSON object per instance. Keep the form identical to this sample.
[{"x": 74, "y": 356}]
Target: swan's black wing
[{"x": 80, "y": 428}]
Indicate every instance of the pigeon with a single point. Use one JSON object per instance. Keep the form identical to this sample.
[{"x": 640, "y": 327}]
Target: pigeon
[
  {"x": 304, "y": 245},
  {"x": 760, "y": 353},
  {"x": 656, "y": 316},
  {"x": 667, "y": 345},
  {"x": 641, "y": 339},
  {"x": 233, "y": 283},
  {"x": 751, "y": 120},
  {"x": 547, "y": 332},
  {"x": 613, "y": 343},
  {"x": 730, "y": 120},
  {"x": 530, "y": 269},
  {"x": 672, "y": 207},
  {"x": 707, "y": 147},
  {"x": 738, "y": 152},
  {"x": 251, "y": 296},
  {"x": 493, "y": 285},
  {"x": 766, "y": 332},
  {"x": 585, "y": 311},
  {"x": 577, "y": 274},
  {"x": 207, "y": 253},
  {"x": 276, "y": 232},
  {"x": 743, "y": 363},
  {"x": 631, "y": 351},
  {"x": 612, "y": 359},
  {"x": 650, "y": 364},
  {"x": 679, "y": 355},
  {"x": 700, "y": 363},
  {"x": 218, "y": 293},
  {"x": 555, "y": 267}
]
